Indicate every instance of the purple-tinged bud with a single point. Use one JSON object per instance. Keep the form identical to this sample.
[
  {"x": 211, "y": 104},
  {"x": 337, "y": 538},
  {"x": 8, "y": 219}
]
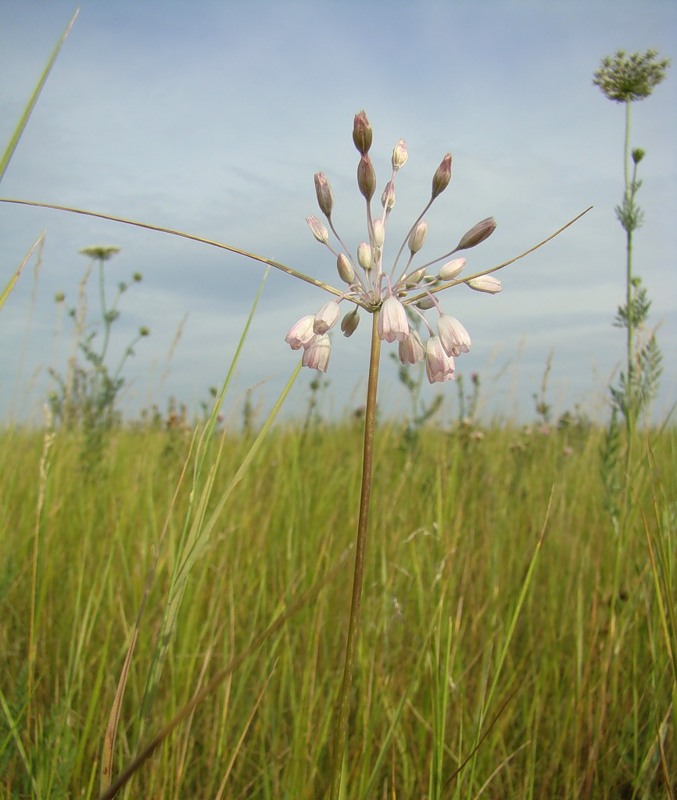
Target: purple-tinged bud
[
  {"x": 350, "y": 322},
  {"x": 318, "y": 230},
  {"x": 453, "y": 335},
  {"x": 345, "y": 269},
  {"x": 411, "y": 350},
  {"x": 451, "y": 269},
  {"x": 379, "y": 232},
  {"x": 301, "y": 332},
  {"x": 442, "y": 176},
  {"x": 388, "y": 196},
  {"x": 362, "y": 133},
  {"x": 439, "y": 366},
  {"x": 316, "y": 354},
  {"x": 364, "y": 255},
  {"x": 417, "y": 236},
  {"x": 325, "y": 198},
  {"x": 415, "y": 277},
  {"x": 366, "y": 177},
  {"x": 485, "y": 283},
  {"x": 392, "y": 321},
  {"x": 478, "y": 233},
  {"x": 326, "y": 317},
  {"x": 400, "y": 155}
]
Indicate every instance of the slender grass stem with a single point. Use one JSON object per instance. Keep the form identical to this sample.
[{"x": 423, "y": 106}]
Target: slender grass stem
[{"x": 343, "y": 710}]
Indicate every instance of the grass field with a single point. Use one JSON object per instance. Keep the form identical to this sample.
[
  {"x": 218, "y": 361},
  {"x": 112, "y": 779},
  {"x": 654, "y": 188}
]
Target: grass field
[{"x": 515, "y": 643}]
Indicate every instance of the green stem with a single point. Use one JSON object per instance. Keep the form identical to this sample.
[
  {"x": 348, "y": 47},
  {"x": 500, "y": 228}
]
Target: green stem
[
  {"x": 629, "y": 200},
  {"x": 343, "y": 711}
]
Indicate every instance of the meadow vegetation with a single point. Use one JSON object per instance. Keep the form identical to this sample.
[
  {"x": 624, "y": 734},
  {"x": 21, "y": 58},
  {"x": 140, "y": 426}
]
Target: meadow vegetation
[
  {"x": 566, "y": 681},
  {"x": 188, "y": 585}
]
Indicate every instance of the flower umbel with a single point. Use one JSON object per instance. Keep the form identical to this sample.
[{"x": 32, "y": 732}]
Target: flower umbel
[{"x": 397, "y": 289}]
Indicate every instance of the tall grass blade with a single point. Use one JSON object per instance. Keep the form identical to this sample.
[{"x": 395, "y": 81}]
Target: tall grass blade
[
  {"x": 12, "y": 281},
  {"x": 18, "y": 131}
]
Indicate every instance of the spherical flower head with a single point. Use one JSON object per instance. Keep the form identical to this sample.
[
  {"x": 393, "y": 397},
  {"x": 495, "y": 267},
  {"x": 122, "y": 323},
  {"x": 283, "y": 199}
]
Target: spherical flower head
[
  {"x": 626, "y": 78},
  {"x": 392, "y": 321},
  {"x": 316, "y": 354},
  {"x": 411, "y": 349},
  {"x": 439, "y": 366},
  {"x": 417, "y": 237},
  {"x": 301, "y": 332},
  {"x": 325, "y": 198},
  {"x": 477, "y": 234},
  {"x": 326, "y": 317},
  {"x": 318, "y": 230},
  {"x": 454, "y": 337},
  {"x": 485, "y": 283},
  {"x": 366, "y": 177},
  {"x": 400, "y": 155},
  {"x": 451, "y": 269},
  {"x": 442, "y": 176},
  {"x": 362, "y": 133}
]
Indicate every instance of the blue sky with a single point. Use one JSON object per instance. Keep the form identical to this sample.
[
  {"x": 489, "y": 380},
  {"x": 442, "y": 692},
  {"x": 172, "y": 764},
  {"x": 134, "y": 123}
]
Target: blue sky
[{"x": 212, "y": 118}]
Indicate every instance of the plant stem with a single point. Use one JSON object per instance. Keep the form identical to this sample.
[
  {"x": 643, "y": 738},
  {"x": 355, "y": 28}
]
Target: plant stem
[
  {"x": 343, "y": 710},
  {"x": 629, "y": 227}
]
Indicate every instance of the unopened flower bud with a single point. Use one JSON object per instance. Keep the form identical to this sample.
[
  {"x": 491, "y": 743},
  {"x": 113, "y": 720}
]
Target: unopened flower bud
[
  {"x": 366, "y": 177},
  {"x": 478, "y": 233},
  {"x": 426, "y": 303},
  {"x": 451, "y": 269},
  {"x": 350, "y": 322},
  {"x": 325, "y": 198},
  {"x": 326, "y": 317},
  {"x": 144, "y": 331},
  {"x": 400, "y": 155},
  {"x": 379, "y": 232},
  {"x": 485, "y": 283},
  {"x": 417, "y": 236},
  {"x": 345, "y": 268},
  {"x": 415, "y": 277},
  {"x": 364, "y": 255},
  {"x": 362, "y": 133},
  {"x": 442, "y": 176},
  {"x": 318, "y": 230},
  {"x": 637, "y": 155},
  {"x": 388, "y": 196}
]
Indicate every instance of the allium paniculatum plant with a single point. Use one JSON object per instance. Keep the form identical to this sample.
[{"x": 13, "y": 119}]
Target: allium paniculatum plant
[
  {"x": 386, "y": 294},
  {"x": 390, "y": 289}
]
